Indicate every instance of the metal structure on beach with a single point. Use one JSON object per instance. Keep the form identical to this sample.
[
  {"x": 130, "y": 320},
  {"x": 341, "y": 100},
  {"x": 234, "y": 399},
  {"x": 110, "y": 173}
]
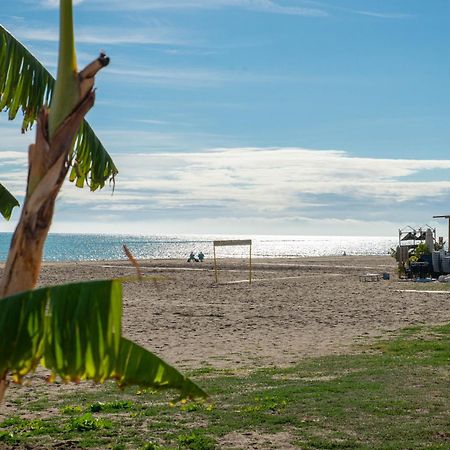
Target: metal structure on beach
[
  {"x": 228, "y": 243},
  {"x": 446, "y": 216}
]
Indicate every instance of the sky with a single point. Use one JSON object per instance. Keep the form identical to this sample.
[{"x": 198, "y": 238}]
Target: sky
[{"x": 288, "y": 117}]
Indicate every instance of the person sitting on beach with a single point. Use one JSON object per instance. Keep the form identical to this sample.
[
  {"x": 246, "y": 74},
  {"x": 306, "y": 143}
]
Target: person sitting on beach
[
  {"x": 192, "y": 257},
  {"x": 201, "y": 256}
]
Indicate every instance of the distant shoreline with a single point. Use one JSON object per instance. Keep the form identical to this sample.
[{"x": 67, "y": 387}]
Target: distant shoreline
[
  {"x": 88, "y": 247},
  {"x": 282, "y": 260}
]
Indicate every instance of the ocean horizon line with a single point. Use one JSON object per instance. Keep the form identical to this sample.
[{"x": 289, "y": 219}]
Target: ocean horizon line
[
  {"x": 90, "y": 233},
  {"x": 104, "y": 247}
]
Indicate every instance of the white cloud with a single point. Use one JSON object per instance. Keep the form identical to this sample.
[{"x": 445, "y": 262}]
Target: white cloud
[
  {"x": 197, "y": 77},
  {"x": 11, "y": 137},
  {"x": 382, "y": 15},
  {"x": 153, "y": 121},
  {"x": 12, "y": 157},
  {"x": 266, "y": 181},
  {"x": 225, "y": 225},
  {"x": 267, "y": 6},
  {"x": 270, "y": 186},
  {"x": 276, "y": 179},
  {"x": 155, "y": 34},
  {"x": 55, "y": 3}
]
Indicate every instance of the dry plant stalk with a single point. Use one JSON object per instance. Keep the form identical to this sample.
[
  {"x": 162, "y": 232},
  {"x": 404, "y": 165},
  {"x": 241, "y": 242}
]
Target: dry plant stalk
[
  {"x": 133, "y": 261},
  {"x": 3, "y": 386}
]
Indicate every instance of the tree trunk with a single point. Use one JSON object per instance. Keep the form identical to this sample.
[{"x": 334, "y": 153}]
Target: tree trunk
[{"x": 47, "y": 168}]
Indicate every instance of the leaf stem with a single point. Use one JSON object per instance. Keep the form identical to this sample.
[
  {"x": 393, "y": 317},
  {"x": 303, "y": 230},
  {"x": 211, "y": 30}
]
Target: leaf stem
[{"x": 67, "y": 92}]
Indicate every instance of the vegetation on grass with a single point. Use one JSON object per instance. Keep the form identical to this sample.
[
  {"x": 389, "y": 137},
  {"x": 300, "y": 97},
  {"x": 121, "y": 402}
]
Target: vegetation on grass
[
  {"x": 420, "y": 250},
  {"x": 393, "y": 395}
]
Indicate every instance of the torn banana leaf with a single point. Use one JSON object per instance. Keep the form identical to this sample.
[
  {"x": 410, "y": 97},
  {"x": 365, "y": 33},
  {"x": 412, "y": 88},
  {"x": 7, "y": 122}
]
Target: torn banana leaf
[
  {"x": 74, "y": 330},
  {"x": 7, "y": 202},
  {"x": 26, "y": 85}
]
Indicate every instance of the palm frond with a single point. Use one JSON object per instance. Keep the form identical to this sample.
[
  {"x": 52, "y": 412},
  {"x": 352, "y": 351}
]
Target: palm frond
[
  {"x": 74, "y": 330},
  {"x": 7, "y": 202},
  {"x": 26, "y": 85}
]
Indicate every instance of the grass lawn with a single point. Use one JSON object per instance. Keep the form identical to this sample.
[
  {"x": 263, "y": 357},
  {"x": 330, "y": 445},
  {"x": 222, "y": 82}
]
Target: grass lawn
[
  {"x": 393, "y": 395},
  {"x": 432, "y": 286}
]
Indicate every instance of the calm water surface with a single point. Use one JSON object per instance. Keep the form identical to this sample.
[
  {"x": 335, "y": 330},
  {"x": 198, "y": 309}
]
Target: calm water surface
[{"x": 90, "y": 247}]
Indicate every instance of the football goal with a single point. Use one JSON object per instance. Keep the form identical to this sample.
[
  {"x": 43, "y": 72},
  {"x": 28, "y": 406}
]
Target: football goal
[{"x": 231, "y": 243}]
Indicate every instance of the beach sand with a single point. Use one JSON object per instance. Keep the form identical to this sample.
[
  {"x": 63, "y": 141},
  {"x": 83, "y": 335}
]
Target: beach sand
[{"x": 294, "y": 308}]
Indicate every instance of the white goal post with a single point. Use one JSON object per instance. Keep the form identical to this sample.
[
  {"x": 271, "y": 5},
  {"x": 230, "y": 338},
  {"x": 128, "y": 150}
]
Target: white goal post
[{"x": 229, "y": 243}]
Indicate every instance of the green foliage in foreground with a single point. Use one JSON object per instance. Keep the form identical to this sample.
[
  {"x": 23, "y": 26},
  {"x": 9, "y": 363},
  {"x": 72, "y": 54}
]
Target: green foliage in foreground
[
  {"x": 7, "y": 202},
  {"x": 26, "y": 85},
  {"x": 74, "y": 330},
  {"x": 393, "y": 396}
]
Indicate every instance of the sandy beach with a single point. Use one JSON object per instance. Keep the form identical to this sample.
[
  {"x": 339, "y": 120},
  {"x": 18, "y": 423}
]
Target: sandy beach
[{"x": 293, "y": 309}]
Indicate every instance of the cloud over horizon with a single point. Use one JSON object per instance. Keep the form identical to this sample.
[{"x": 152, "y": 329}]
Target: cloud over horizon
[{"x": 264, "y": 183}]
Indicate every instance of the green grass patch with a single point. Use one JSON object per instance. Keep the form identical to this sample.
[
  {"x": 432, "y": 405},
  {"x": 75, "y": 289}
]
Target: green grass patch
[
  {"x": 87, "y": 422},
  {"x": 14, "y": 430},
  {"x": 196, "y": 440},
  {"x": 117, "y": 405},
  {"x": 395, "y": 395},
  {"x": 431, "y": 286},
  {"x": 71, "y": 409}
]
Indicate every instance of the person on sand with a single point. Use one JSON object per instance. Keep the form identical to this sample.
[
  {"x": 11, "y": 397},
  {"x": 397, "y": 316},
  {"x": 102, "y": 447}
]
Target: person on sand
[
  {"x": 192, "y": 257},
  {"x": 201, "y": 256}
]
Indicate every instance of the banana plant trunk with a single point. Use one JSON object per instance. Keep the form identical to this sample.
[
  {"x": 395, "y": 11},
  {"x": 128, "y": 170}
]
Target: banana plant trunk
[{"x": 48, "y": 162}]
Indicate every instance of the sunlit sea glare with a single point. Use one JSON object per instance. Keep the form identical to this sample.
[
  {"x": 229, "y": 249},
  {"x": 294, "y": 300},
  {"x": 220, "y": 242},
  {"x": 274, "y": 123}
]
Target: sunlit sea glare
[{"x": 91, "y": 247}]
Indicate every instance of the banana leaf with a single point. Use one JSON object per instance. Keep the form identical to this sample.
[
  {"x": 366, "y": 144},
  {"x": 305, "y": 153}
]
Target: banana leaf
[
  {"x": 26, "y": 85},
  {"x": 135, "y": 365},
  {"x": 74, "y": 330},
  {"x": 7, "y": 202}
]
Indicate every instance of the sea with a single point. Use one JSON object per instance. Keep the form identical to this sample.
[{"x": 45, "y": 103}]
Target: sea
[{"x": 92, "y": 247}]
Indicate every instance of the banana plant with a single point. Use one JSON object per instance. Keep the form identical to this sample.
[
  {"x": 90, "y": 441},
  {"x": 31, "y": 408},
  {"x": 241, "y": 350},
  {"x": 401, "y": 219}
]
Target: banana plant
[
  {"x": 50, "y": 156},
  {"x": 26, "y": 85},
  {"x": 73, "y": 330}
]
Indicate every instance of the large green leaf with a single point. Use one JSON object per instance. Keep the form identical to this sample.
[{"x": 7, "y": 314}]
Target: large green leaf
[
  {"x": 138, "y": 366},
  {"x": 26, "y": 85},
  {"x": 7, "y": 202},
  {"x": 83, "y": 330},
  {"x": 22, "y": 328},
  {"x": 75, "y": 331}
]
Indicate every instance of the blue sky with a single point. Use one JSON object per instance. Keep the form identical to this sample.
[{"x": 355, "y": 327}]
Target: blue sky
[{"x": 255, "y": 116}]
